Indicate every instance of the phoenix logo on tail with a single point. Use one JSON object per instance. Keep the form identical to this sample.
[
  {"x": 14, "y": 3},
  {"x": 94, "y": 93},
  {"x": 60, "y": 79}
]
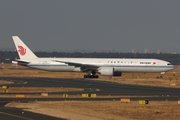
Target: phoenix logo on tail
[{"x": 21, "y": 50}]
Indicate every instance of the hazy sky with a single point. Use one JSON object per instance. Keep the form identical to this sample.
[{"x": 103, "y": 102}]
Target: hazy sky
[{"x": 92, "y": 25}]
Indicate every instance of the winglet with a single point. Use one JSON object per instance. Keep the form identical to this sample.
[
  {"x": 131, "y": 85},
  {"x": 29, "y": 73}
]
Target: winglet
[{"x": 23, "y": 51}]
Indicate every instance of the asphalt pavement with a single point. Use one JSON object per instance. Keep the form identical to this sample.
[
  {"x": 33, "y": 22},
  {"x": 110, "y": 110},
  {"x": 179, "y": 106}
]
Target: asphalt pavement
[{"x": 90, "y": 86}]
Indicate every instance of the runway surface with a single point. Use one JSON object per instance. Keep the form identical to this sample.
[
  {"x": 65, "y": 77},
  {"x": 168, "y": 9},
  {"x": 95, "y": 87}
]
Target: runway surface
[
  {"x": 19, "y": 114},
  {"x": 90, "y": 86},
  {"x": 94, "y": 86}
]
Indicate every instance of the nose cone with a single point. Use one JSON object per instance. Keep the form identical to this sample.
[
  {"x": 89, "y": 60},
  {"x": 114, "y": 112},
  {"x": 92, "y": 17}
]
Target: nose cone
[{"x": 171, "y": 67}]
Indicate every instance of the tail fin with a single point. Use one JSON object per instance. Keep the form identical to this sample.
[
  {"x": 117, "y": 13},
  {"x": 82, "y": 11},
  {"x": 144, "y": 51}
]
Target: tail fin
[{"x": 23, "y": 51}]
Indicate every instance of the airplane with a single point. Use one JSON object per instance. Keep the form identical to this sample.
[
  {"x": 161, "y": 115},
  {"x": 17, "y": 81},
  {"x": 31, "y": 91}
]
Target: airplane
[{"x": 104, "y": 66}]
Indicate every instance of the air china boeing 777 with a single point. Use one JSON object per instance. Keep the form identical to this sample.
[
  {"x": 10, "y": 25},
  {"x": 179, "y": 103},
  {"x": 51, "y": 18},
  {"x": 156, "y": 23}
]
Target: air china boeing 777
[{"x": 104, "y": 66}]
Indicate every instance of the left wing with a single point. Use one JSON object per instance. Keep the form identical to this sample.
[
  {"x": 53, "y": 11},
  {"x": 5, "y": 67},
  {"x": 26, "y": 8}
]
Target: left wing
[{"x": 21, "y": 62}]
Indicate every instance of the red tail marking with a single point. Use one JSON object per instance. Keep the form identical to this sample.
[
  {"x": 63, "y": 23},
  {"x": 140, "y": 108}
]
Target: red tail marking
[{"x": 21, "y": 50}]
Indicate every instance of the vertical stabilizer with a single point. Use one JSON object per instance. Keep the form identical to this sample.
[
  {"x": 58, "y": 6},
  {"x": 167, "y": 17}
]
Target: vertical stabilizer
[{"x": 23, "y": 51}]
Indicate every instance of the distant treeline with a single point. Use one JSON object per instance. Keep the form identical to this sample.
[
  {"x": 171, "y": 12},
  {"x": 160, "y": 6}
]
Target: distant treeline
[{"x": 8, "y": 56}]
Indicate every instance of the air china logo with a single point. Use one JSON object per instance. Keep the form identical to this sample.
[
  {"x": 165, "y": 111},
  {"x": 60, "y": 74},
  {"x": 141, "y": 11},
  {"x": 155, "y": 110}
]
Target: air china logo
[
  {"x": 154, "y": 62},
  {"x": 21, "y": 50}
]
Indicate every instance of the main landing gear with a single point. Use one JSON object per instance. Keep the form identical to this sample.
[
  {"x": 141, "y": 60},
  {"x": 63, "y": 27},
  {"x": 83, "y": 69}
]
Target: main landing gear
[{"x": 91, "y": 74}]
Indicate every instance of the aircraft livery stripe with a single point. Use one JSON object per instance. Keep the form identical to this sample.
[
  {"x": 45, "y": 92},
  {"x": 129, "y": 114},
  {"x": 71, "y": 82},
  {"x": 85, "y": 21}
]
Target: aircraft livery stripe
[{"x": 104, "y": 65}]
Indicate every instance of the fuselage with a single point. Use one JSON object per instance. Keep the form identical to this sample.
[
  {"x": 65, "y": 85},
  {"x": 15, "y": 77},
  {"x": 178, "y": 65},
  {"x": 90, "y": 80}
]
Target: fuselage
[
  {"x": 104, "y": 66},
  {"x": 120, "y": 65}
]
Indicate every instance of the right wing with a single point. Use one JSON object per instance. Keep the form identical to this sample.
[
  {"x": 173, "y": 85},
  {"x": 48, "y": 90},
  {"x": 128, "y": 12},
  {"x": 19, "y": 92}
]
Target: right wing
[{"x": 83, "y": 67}]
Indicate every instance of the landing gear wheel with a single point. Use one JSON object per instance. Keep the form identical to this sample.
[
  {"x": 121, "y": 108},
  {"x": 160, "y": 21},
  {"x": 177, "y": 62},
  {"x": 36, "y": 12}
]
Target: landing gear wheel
[
  {"x": 91, "y": 76},
  {"x": 85, "y": 76},
  {"x": 96, "y": 76}
]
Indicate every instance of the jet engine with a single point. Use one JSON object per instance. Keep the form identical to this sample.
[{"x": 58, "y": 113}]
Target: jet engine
[{"x": 109, "y": 71}]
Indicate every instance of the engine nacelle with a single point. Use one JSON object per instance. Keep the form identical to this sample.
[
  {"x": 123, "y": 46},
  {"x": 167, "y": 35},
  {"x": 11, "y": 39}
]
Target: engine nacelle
[{"x": 109, "y": 71}]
